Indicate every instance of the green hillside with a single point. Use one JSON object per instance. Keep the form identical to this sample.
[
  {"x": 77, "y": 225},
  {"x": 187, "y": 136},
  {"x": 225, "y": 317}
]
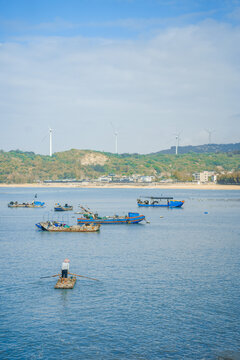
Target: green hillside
[{"x": 27, "y": 167}]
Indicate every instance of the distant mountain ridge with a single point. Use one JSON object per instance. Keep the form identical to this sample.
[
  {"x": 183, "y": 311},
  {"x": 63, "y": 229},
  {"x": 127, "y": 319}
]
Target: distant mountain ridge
[{"x": 201, "y": 149}]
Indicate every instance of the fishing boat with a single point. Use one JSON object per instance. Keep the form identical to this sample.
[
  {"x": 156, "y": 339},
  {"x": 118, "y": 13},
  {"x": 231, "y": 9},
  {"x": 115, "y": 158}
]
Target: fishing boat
[
  {"x": 162, "y": 201},
  {"x": 54, "y": 226},
  {"x": 59, "y": 207},
  {"x": 34, "y": 204},
  {"x": 88, "y": 217}
]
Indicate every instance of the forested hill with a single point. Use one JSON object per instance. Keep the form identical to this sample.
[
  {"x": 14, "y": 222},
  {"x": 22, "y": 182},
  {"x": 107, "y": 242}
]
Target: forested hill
[
  {"x": 201, "y": 149},
  {"x": 27, "y": 167}
]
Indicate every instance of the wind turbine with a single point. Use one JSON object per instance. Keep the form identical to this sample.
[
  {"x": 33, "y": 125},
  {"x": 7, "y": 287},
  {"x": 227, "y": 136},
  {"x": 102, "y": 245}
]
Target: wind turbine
[
  {"x": 50, "y": 142},
  {"x": 177, "y": 142},
  {"x": 116, "y": 138},
  {"x": 209, "y": 135}
]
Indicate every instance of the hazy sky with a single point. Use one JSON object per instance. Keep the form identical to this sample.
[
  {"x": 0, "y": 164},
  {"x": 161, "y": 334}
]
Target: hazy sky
[{"x": 152, "y": 68}]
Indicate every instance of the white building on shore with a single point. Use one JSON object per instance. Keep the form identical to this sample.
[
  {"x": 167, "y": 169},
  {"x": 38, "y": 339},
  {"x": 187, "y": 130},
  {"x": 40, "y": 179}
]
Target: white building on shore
[{"x": 205, "y": 177}]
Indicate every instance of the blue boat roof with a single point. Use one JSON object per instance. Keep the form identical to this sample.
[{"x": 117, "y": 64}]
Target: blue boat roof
[
  {"x": 131, "y": 214},
  {"x": 38, "y": 203},
  {"x": 158, "y": 197}
]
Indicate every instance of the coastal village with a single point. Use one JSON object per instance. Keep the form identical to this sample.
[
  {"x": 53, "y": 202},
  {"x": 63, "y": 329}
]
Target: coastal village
[{"x": 204, "y": 177}]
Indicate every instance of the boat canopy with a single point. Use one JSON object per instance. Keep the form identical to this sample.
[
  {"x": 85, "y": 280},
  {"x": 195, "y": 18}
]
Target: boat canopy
[
  {"x": 38, "y": 203},
  {"x": 131, "y": 214},
  {"x": 158, "y": 197}
]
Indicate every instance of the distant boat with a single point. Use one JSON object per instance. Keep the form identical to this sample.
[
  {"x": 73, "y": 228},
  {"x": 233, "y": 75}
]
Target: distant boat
[
  {"x": 90, "y": 218},
  {"x": 162, "y": 201},
  {"x": 34, "y": 204},
  {"x": 54, "y": 226},
  {"x": 59, "y": 207}
]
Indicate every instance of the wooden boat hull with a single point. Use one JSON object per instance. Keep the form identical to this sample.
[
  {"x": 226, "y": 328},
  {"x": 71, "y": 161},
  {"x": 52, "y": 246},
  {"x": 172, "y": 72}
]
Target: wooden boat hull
[
  {"x": 75, "y": 228},
  {"x": 66, "y": 284},
  {"x": 25, "y": 206},
  {"x": 45, "y": 226},
  {"x": 62, "y": 208}
]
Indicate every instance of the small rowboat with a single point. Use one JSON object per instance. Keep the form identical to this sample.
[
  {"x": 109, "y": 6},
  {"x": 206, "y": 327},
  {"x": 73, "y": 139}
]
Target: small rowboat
[{"x": 66, "y": 283}]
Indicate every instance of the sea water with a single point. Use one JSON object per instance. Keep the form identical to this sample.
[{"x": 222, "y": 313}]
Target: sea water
[{"x": 168, "y": 289}]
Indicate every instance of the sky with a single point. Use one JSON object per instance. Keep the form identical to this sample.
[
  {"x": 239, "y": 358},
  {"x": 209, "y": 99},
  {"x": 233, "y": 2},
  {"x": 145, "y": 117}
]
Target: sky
[{"x": 148, "y": 70}]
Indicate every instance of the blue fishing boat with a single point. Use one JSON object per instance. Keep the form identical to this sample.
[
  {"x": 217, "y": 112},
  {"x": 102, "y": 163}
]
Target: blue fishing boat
[
  {"x": 88, "y": 217},
  {"x": 59, "y": 207},
  {"x": 162, "y": 201}
]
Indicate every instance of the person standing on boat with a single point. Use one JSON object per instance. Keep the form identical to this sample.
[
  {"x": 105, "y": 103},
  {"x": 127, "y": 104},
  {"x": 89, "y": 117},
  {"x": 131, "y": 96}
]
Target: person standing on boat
[{"x": 65, "y": 269}]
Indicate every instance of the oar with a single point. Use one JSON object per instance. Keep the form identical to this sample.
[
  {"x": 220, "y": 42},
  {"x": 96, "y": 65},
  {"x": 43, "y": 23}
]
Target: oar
[
  {"x": 84, "y": 277},
  {"x": 44, "y": 277}
]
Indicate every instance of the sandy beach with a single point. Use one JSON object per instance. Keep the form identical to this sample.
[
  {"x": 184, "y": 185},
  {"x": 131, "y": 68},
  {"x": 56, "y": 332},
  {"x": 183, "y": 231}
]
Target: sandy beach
[{"x": 185, "y": 186}]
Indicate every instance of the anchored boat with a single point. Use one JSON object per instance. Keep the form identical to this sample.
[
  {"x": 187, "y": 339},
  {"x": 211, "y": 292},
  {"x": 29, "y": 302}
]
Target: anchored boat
[
  {"x": 59, "y": 207},
  {"x": 54, "y": 226},
  {"x": 34, "y": 204},
  {"x": 90, "y": 218},
  {"x": 162, "y": 201}
]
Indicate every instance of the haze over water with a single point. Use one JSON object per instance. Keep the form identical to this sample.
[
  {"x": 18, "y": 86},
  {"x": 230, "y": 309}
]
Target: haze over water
[{"x": 167, "y": 290}]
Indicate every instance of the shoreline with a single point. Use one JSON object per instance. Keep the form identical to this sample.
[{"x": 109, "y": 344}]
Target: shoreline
[{"x": 183, "y": 186}]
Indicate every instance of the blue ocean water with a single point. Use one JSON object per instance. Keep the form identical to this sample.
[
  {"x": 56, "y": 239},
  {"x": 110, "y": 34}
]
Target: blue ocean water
[{"x": 168, "y": 289}]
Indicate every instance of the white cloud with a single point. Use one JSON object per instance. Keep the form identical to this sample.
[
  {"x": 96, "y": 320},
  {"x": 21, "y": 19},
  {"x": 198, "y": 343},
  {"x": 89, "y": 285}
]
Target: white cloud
[{"x": 184, "y": 79}]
